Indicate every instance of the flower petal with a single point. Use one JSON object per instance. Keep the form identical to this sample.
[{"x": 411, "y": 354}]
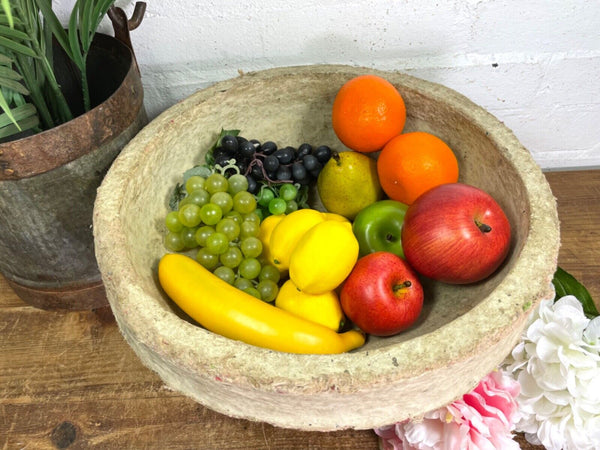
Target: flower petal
[{"x": 591, "y": 335}]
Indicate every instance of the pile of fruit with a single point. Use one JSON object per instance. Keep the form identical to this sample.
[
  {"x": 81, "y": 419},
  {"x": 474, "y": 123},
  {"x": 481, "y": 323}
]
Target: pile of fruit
[{"x": 251, "y": 260}]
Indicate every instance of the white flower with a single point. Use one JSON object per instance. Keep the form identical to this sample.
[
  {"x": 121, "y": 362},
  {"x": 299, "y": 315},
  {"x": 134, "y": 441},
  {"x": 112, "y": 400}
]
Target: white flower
[{"x": 557, "y": 364}]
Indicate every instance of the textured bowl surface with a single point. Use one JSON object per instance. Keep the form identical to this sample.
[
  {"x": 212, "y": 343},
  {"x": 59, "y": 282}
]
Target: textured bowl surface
[{"x": 463, "y": 333}]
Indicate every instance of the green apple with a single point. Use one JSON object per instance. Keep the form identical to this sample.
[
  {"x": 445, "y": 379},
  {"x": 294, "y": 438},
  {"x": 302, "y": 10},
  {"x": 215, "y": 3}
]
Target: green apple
[{"x": 378, "y": 227}]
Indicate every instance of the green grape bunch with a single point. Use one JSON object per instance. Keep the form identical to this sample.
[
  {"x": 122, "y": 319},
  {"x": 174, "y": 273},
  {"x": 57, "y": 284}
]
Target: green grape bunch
[
  {"x": 217, "y": 217},
  {"x": 218, "y": 208}
]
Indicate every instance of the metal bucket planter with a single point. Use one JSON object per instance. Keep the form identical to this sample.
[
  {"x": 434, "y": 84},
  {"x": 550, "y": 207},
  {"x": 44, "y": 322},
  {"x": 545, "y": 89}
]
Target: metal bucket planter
[{"x": 48, "y": 184}]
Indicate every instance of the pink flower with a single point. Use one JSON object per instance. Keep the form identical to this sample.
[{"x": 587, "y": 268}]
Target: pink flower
[{"x": 483, "y": 419}]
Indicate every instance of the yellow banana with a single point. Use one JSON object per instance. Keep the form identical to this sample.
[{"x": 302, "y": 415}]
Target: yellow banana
[{"x": 224, "y": 309}]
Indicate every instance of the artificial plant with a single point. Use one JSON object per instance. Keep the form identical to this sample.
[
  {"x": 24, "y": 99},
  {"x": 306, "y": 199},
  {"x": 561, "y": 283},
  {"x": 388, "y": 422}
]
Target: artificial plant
[{"x": 30, "y": 95}]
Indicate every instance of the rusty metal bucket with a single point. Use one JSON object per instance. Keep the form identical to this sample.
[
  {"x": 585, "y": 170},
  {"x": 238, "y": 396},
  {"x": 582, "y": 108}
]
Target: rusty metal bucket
[{"x": 48, "y": 182}]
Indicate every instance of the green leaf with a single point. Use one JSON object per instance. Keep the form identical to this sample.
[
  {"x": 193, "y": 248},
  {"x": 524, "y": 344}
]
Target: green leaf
[
  {"x": 208, "y": 157},
  {"x": 85, "y": 21},
  {"x": 19, "y": 114},
  {"x": 177, "y": 195},
  {"x": 179, "y": 192},
  {"x": 8, "y": 12},
  {"x": 13, "y": 84},
  {"x": 4, "y": 104},
  {"x": 12, "y": 33},
  {"x": 51, "y": 21},
  {"x": 26, "y": 124},
  {"x": 14, "y": 23},
  {"x": 7, "y": 72},
  {"x": 221, "y": 134},
  {"x": 202, "y": 171},
  {"x": 17, "y": 47},
  {"x": 566, "y": 284},
  {"x": 5, "y": 60},
  {"x": 100, "y": 10},
  {"x": 302, "y": 198},
  {"x": 34, "y": 80},
  {"x": 74, "y": 39},
  {"x": 13, "y": 98},
  {"x": 20, "y": 118}
]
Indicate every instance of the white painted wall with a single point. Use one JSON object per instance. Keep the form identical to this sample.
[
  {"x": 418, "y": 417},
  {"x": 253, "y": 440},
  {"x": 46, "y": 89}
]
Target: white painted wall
[{"x": 535, "y": 64}]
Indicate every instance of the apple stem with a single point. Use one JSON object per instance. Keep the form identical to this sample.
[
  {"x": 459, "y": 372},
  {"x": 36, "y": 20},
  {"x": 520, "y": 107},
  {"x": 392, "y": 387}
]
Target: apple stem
[
  {"x": 400, "y": 286},
  {"x": 484, "y": 227}
]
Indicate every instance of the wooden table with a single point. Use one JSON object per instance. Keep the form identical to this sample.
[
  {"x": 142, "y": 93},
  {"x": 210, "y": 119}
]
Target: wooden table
[{"x": 68, "y": 379}]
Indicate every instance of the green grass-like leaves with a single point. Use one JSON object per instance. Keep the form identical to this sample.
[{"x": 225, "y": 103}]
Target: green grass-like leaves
[{"x": 26, "y": 64}]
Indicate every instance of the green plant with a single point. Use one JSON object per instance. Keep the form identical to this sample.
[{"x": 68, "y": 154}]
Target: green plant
[{"x": 30, "y": 95}]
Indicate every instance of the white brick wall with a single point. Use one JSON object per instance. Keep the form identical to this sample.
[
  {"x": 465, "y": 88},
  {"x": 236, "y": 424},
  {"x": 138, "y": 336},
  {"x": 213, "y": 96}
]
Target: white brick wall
[{"x": 534, "y": 64}]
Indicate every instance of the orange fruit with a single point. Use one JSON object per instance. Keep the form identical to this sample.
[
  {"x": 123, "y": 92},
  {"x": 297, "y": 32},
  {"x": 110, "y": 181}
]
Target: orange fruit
[
  {"x": 367, "y": 112},
  {"x": 413, "y": 163}
]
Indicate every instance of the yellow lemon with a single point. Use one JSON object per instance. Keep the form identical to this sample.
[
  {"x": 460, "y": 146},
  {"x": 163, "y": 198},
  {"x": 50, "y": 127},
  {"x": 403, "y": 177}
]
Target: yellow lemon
[
  {"x": 324, "y": 309},
  {"x": 288, "y": 232},
  {"x": 333, "y": 216},
  {"x": 348, "y": 183},
  {"x": 324, "y": 257},
  {"x": 264, "y": 234}
]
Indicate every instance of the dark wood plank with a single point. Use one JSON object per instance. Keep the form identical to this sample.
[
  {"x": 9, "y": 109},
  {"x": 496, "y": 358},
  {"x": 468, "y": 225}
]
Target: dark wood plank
[
  {"x": 578, "y": 200},
  {"x": 68, "y": 379}
]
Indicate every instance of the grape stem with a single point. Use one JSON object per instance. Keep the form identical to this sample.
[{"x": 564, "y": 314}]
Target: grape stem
[
  {"x": 258, "y": 162},
  {"x": 230, "y": 164}
]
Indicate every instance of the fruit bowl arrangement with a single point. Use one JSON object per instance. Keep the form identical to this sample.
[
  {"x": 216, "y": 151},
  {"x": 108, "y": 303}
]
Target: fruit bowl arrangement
[{"x": 463, "y": 330}]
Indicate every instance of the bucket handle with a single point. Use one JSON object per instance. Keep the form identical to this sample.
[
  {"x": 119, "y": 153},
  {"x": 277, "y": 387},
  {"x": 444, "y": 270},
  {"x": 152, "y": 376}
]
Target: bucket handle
[{"x": 122, "y": 25}]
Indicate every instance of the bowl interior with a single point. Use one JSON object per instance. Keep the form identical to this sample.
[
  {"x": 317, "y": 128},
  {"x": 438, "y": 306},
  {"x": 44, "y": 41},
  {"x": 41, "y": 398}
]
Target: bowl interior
[{"x": 290, "y": 115}]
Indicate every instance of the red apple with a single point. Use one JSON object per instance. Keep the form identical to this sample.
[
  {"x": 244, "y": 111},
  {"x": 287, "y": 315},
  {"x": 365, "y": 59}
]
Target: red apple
[
  {"x": 455, "y": 233},
  {"x": 382, "y": 295}
]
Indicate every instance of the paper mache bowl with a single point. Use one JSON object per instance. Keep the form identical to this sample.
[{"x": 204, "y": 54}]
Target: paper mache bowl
[{"x": 463, "y": 333}]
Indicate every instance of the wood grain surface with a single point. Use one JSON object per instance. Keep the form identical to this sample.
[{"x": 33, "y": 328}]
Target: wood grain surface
[{"x": 69, "y": 380}]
